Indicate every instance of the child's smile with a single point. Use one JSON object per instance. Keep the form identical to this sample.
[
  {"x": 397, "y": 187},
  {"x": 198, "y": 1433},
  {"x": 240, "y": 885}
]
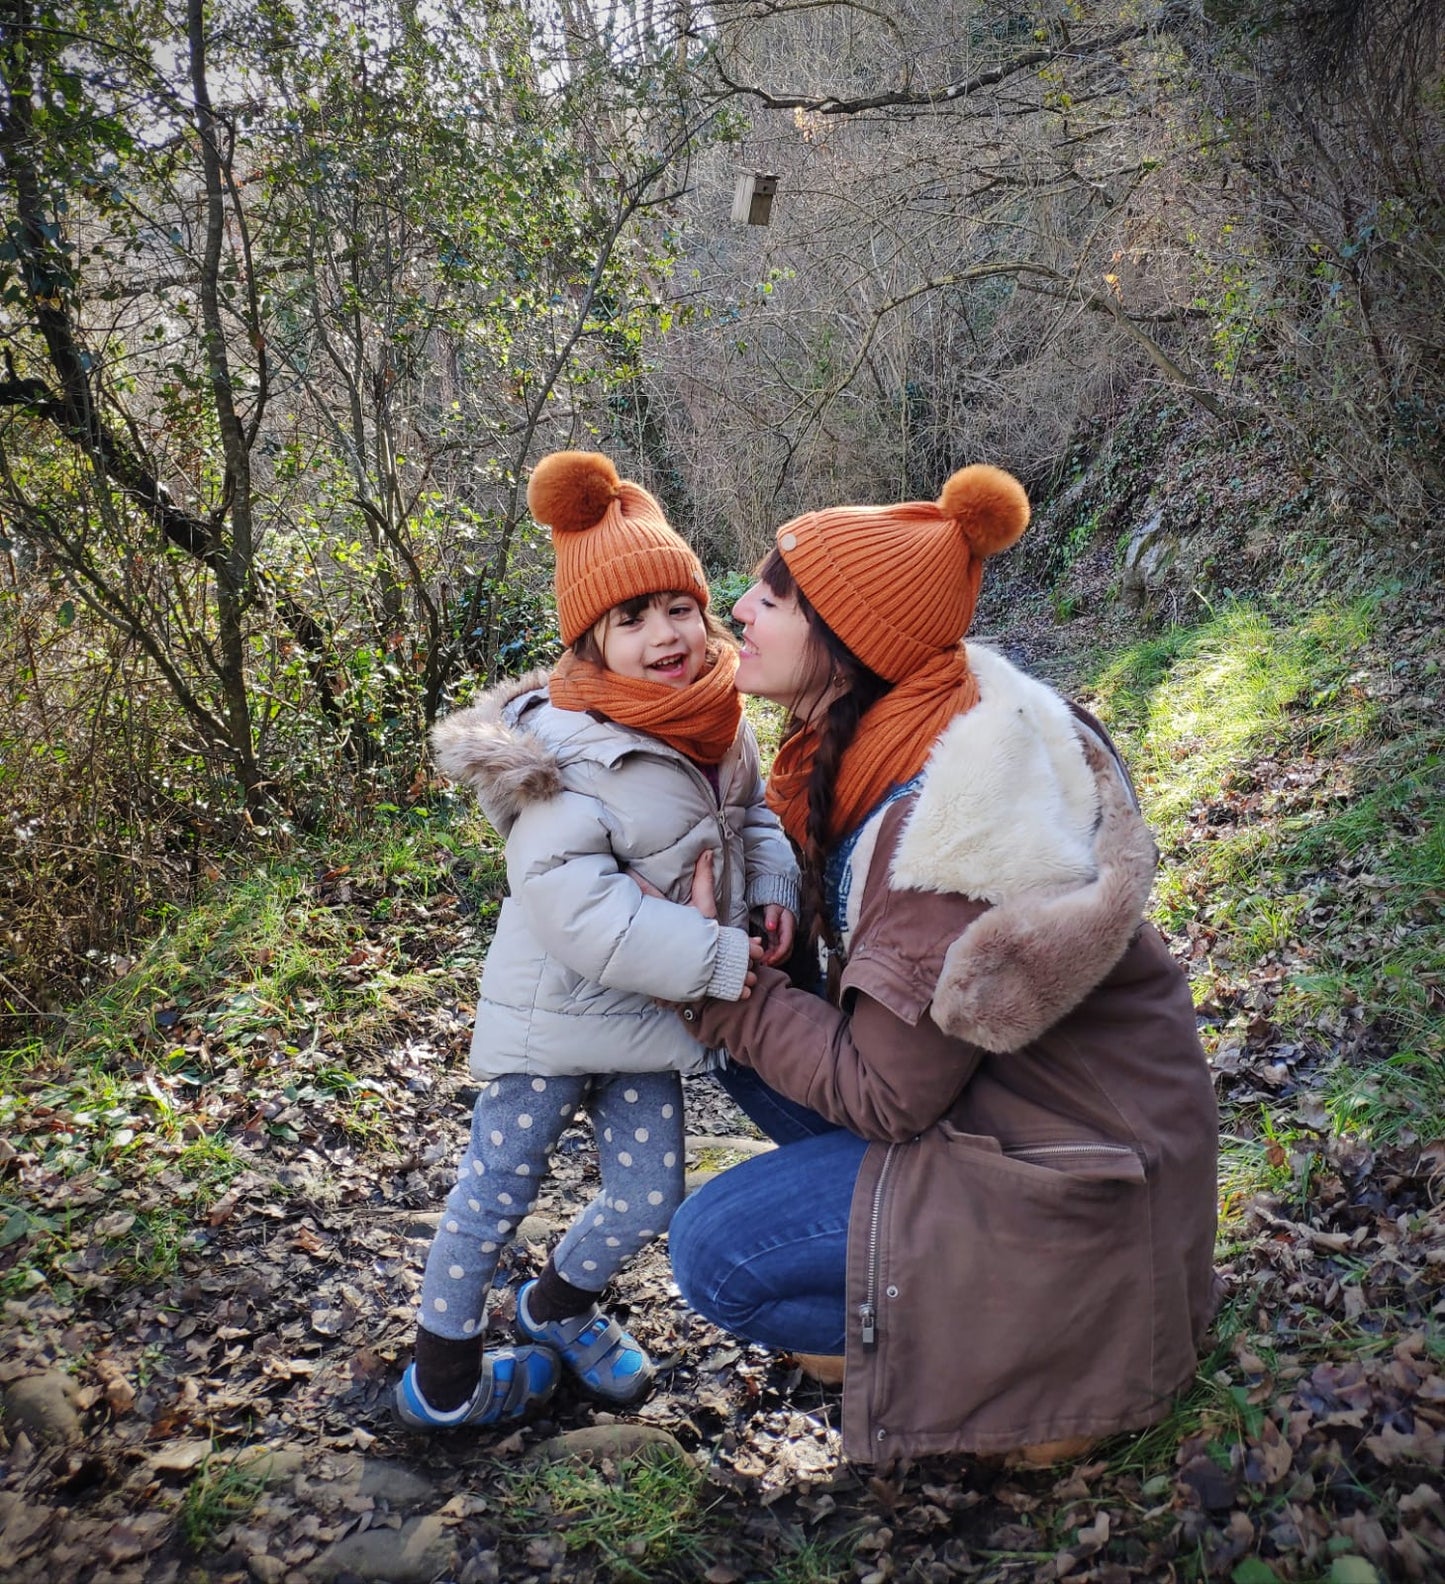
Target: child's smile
[{"x": 664, "y": 642}]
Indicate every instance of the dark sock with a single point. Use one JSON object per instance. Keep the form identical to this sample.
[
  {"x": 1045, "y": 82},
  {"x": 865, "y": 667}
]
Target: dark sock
[
  {"x": 447, "y": 1369},
  {"x": 555, "y": 1299}
]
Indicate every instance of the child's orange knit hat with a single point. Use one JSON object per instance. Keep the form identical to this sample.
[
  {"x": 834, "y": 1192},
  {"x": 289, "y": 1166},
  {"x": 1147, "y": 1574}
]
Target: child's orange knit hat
[
  {"x": 611, "y": 537},
  {"x": 898, "y": 584}
]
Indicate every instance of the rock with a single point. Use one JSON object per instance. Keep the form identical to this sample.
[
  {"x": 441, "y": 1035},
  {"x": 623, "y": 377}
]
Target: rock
[
  {"x": 1150, "y": 554},
  {"x": 531, "y": 1228},
  {"x": 338, "y": 1480},
  {"x": 714, "y": 1154},
  {"x": 180, "y": 1457},
  {"x": 421, "y": 1550},
  {"x": 537, "y": 1229},
  {"x": 269, "y": 1464},
  {"x": 43, "y": 1407},
  {"x": 266, "y": 1569},
  {"x": 612, "y": 1442},
  {"x": 727, "y": 1144},
  {"x": 394, "y": 1483}
]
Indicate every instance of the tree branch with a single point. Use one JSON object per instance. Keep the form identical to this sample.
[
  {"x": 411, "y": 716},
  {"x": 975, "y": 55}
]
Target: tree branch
[{"x": 935, "y": 98}]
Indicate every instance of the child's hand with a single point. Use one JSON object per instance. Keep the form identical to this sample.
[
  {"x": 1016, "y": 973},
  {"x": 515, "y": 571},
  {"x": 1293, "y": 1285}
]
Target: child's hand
[{"x": 779, "y": 926}]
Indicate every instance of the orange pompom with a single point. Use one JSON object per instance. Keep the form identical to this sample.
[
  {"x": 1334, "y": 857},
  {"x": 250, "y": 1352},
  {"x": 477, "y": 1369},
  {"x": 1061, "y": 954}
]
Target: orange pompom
[
  {"x": 989, "y": 505},
  {"x": 570, "y": 491}
]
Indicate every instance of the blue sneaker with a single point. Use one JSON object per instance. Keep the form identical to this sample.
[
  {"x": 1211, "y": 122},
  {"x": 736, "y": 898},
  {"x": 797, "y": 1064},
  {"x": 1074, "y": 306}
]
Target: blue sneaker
[
  {"x": 514, "y": 1381},
  {"x": 607, "y": 1361}
]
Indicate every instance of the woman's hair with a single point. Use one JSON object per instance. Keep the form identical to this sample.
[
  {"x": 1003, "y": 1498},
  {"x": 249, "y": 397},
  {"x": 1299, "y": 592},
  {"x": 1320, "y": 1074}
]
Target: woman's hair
[
  {"x": 836, "y": 729},
  {"x": 589, "y": 646}
]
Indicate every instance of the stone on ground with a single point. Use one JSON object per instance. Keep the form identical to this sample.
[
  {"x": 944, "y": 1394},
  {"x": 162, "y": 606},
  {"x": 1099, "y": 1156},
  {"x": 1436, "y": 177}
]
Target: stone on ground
[
  {"x": 423, "y": 1549},
  {"x": 43, "y": 1407},
  {"x": 610, "y": 1442}
]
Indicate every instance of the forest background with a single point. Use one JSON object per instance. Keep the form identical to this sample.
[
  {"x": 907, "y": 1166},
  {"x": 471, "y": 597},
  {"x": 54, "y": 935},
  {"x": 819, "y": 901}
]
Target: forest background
[{"x": 292, "y": 295}]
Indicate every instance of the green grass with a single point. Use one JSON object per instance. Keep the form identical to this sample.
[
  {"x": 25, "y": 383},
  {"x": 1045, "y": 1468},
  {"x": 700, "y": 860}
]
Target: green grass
[
  {"x": 816, "y": 1562},
  {"x": 1198, "y": 704},
  {"x": 1301, "y": 827},
  {"x": 219, "y": 1495},
  {"x": 641, "y": 1517},
  {"x": 276, "y": 987},
  {"x": 767, "y": 720},
  {"x": 1403, "y": 1094},
  {"x": 647, "y": 1517}
]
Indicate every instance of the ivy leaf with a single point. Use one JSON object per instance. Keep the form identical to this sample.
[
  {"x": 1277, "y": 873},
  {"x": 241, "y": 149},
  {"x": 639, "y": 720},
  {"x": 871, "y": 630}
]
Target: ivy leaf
[{"x": 1353, "y": 1570}]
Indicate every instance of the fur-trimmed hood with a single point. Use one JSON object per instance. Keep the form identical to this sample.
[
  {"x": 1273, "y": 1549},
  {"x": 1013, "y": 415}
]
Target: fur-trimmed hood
[
  {"x": 514, "y": 747},
  {"x": 1009, "y": 803},
  {"x": 1034, "y": 957},
  {"x": 506, "y": 767}
]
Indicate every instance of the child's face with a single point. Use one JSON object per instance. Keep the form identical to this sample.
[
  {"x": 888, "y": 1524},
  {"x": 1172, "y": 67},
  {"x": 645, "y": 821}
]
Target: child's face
[{"x": 666, "y": 641}]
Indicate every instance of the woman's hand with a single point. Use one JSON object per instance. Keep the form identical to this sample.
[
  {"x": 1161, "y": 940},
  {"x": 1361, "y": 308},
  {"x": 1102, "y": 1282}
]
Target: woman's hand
[
  {"x": 704, "y": 885},
  {"x": 704, "y": 890},
  {"x": 778, "y": 922},
  {"x": 779, "y": 925},
  {"x": 704, "y": 899}
]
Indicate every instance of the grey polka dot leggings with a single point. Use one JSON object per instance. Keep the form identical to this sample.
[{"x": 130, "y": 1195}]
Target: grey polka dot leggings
[{"x": 516, "y": 1123}]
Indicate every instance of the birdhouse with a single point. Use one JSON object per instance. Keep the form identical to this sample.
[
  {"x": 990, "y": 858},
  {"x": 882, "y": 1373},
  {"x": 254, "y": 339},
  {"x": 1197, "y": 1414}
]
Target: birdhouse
[{"x": 753, "y": 198}]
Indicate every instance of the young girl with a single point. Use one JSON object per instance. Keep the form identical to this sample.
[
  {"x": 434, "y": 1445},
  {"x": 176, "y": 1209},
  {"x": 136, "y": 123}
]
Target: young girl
[{"x": 632, "y": 758}]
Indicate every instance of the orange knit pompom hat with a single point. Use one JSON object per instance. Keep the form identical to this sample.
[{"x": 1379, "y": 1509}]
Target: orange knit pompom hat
[
  {"x": 898, "y": 584},
  {"x": 612, "y": 540}
]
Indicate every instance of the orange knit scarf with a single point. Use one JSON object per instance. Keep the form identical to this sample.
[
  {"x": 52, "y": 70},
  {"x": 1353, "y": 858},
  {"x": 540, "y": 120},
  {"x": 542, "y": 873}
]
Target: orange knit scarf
[
  {"x": 894, "y": 740},
  {"x": 700, "y": 720}
]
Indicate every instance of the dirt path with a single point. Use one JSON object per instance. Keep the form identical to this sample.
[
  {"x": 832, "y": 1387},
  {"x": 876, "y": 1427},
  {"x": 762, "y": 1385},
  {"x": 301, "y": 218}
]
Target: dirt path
[{"x": 286, "y": 1328}]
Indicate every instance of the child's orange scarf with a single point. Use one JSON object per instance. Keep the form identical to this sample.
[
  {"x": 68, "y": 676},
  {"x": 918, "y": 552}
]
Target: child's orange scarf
[
  {"x": 700, "y": 720},
  {"x": 894, "y": 739}
]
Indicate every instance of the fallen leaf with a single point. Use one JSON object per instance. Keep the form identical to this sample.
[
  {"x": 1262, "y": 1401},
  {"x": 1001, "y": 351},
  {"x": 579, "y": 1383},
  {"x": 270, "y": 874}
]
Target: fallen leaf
[{"x": 1397, "y": 1446}]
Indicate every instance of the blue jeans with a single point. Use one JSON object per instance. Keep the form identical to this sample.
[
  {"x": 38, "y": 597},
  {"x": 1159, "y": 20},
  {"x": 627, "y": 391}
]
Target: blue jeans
[{"x": 762, "y": 1249}]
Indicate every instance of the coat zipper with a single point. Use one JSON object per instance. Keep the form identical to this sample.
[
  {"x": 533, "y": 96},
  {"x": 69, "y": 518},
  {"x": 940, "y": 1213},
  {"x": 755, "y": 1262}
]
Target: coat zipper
[
  {"x": 1084, "y": 1147},
  {"x": 715, "y": 801},
  {"x": 868, "y": 1309},
  {"x": 719, "y": 807}
]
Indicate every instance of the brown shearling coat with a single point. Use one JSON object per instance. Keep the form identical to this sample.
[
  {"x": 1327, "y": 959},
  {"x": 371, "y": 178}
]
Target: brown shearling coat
[{"x": 1031, "y": 1238}]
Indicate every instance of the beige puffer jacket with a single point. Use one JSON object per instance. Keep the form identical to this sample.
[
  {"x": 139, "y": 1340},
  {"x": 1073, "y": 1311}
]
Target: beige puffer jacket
[{"x": 579, "y": 951}]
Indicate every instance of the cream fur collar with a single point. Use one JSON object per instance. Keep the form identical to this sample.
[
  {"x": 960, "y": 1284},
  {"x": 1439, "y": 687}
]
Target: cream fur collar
[
  {"x": 1021, "y": 806},
  {"x": 1009, "y": 804}
]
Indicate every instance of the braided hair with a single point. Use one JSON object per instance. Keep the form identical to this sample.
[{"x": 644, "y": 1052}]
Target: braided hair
[{"x": 836, "y": 727}]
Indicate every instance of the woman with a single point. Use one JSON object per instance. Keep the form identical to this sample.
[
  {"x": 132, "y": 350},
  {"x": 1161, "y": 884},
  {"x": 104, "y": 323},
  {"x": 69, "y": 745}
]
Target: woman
[{"x": 995, "y": 1195}]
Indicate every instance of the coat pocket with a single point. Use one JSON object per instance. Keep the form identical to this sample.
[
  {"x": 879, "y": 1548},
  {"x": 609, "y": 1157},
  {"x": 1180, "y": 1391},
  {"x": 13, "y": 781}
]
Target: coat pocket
[
  {"x": 1088, "y": 1160},
  {"x": 1022, "y": 1278}
]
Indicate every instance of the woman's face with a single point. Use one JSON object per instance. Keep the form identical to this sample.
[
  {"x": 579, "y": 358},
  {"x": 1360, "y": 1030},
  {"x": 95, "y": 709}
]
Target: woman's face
[{"x": 780, "y": 661}]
